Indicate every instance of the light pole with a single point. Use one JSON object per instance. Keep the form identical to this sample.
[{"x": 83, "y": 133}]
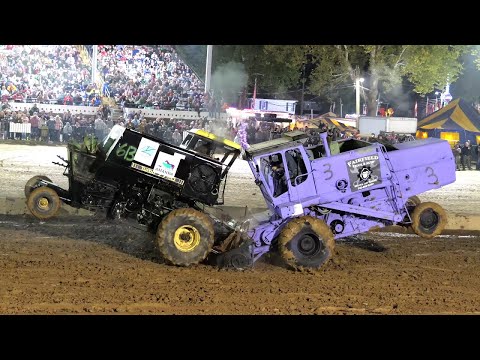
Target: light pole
[
  {"x": 357, "y": 97},
  {"x": 436, "y": 99},
  {"x": 303, "y": 89},
  {"x": 447, "y": 97},
  {"x": 208, "y": 68}
]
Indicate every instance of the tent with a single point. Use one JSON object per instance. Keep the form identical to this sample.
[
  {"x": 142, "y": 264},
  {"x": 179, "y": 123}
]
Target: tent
[
  {"x": 456, "y": 122},
  {"x": 331, "y": 123}
]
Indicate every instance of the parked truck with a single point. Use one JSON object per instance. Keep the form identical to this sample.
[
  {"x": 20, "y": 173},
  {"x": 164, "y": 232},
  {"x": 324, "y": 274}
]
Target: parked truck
[
  {"x": 314, "y": 194},
  {"x": 377, "y": 124}
]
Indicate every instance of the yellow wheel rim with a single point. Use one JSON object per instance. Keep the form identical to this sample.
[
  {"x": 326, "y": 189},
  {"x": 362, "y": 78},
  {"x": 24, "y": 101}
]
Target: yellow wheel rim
[
  {"x": 43, "y": 203},
  {"x": 186, "y": 238}
]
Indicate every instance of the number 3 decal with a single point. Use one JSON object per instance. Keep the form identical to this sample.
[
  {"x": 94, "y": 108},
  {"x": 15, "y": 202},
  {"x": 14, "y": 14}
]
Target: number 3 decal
[
  {"x": 430, "y": 174},
  {"x": 328, "y": 171}
]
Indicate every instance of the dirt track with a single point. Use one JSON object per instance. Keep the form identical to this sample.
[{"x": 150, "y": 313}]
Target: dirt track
[
  {"x": 89, "y": 266},
  {"x": 85, "y": 265},
  {"x": 18, "y": 163}
]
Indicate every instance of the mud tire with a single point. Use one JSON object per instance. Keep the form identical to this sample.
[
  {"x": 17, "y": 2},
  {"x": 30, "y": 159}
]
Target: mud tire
[
  {"x": 47, "y": 210},
  {"x": 187, "y": 219},
  {"x": 306, "y": 242},
  {"x": 428, "y": 219}
]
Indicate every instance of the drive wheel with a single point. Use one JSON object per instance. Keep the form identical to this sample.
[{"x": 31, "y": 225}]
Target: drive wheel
[
  {"x": 428, "y": 219},
  {"x": 185, "y": 236},
  {"x": 43, "y": 203},
  {"x": 306, "y": 242},
  {"x": 32, "y": 182}
]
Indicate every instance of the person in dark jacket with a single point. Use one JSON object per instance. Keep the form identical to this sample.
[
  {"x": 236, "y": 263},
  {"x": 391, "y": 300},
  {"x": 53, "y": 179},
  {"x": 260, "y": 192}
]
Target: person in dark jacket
[
  {"x": 467, "y": 155},
  {"x": 457, "y": 151}
]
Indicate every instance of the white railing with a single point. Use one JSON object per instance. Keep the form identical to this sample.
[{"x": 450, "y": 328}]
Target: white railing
[
  {"x": 179, "y": 114},
  {"x": 92, "y": 110},
  {"x": 56, "y": 109}
]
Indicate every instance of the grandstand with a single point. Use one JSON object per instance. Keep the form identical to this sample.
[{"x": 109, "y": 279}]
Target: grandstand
[{"x": 43, "y": 81}]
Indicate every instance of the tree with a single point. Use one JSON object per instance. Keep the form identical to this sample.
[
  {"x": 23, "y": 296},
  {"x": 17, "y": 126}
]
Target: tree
[
  {"x": 279, "y": 73},
  {"x": 426, "y": 66},
  {"x": 468, "y": 84},
  {"x": 334, "y": 68}
]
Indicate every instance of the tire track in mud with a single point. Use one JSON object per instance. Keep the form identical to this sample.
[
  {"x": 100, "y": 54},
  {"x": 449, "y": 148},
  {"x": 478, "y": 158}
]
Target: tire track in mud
[{"x": 88, "y": 265}]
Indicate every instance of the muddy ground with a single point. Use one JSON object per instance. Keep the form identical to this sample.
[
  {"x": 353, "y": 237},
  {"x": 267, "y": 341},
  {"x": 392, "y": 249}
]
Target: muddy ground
[
  {"x": 88, "y": 266},
  {"x": 84, "y": 265}
]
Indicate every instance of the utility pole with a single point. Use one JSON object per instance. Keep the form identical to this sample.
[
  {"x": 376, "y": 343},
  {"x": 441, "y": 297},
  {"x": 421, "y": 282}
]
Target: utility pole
[
  {"x": 378, "y": 104},
  {"x": 208, "y": 69},
  {"x": 341, "y": 108},
  {"x": 357, "y": 97},
  {"x": 303, "y": 89},
  {"x": 255, "y": 91}
]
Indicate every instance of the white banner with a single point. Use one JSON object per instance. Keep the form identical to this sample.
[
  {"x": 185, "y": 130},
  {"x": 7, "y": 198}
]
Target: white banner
[
  {"x": 147, "y": 149},
  {"x": 24, "y": 128}
]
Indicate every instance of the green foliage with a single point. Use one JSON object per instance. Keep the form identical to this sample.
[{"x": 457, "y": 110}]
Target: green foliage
[
  {"x": 430, "y": 67},
  {"x": 468, "y": 84},
  {"x": 427, "y": 67}
]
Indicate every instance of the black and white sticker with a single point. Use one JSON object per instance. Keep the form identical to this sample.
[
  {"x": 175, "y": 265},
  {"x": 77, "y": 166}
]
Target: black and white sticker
[{"x": 364, "y": 172}]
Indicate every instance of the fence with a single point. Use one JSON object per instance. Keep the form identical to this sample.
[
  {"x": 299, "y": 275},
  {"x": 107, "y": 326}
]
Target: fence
[
  {"x": 24, "y": 128},
  {"x": 56, "y": 109},
  {"x": 173, "y": 114}
]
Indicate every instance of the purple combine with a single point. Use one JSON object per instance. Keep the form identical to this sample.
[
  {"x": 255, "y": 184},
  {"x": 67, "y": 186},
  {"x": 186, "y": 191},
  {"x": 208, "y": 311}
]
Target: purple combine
[{"x": 340, "y": 188}]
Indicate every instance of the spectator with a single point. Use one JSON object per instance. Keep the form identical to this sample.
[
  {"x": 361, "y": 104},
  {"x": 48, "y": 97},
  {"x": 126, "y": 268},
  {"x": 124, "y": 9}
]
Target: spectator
[
  {"x": 58, "y": 127},
  {"x": 35, "y": 123},
  {"x": 467, "y": 155},
  {"x": 51, "y": 129},
  {"x": 67, "y": 132},
  {"x": 176, "y": 137}
]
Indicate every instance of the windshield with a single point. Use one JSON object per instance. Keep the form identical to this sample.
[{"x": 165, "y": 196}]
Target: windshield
[{"x": 215, "y": 150}]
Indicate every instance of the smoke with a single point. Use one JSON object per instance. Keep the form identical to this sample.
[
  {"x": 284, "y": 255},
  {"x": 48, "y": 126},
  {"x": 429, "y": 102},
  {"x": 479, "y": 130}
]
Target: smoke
[
  {"x": 229, "y": 80},
  {"x": 401, "y": 101}
]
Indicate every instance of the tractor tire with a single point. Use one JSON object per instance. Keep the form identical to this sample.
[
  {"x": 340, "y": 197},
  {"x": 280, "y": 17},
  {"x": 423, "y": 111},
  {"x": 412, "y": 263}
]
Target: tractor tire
[
  {"x": 306, "y": 242},
  {"x": 32, "y": 182},
  {"x": 185, "y": 237},
  {"x": 43, "y": 203},
  {"x": 428, "y": 219}
]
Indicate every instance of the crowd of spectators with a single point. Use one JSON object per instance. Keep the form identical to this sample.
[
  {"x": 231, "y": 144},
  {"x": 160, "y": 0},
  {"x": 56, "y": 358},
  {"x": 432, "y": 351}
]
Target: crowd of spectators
[
  {"x": 52, "y": 74},
  {"x": 62, "y": 127},
  {"x": 55, "y": 127},
  {"x": 155, "y": 77},
  {"x": 136, "y": 76}
]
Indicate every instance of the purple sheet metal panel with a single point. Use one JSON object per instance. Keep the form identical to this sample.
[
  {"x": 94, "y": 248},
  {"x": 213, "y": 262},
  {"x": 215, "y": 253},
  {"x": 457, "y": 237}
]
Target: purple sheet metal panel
[
  {"x": 424, "y": 165},
  {"x": 351, "y": 172}
]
